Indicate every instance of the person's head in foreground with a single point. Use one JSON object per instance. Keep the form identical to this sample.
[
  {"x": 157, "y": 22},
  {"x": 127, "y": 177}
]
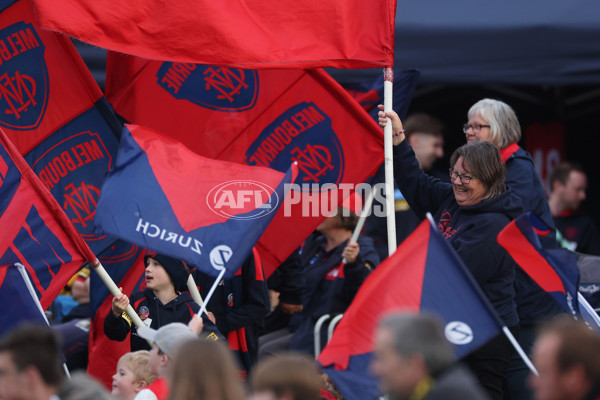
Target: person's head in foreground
[
  {"x": 566, "y": 354},
  {"x": 286, "y": 376}
]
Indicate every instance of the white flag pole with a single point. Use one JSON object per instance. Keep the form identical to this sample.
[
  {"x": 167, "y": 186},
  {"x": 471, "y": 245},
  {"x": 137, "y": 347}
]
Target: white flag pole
[
  {"x": 388, "y": 91},
  {"x": 114, "y": 290},
  {"x": 191, "y": 284},
  {"x": 361, "y": 220},
  {"x": 519, "y": 350},
  {"x": 211, "y": 291},
  {"x": 31, "y": 291},
  {"x": 593, "y": 314}
]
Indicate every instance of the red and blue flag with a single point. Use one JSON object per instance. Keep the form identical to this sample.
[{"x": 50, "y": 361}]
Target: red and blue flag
[
  {"x": 554, "y": 270},
  {"x": 424, "y": 274},
  {"x": 209, "y": 213},
  {"x": 268, "y": 118},
  {"x": 521, "y": 240},
  {"x": 247, "y": 34},
  {"x": 43, "y": 81}
]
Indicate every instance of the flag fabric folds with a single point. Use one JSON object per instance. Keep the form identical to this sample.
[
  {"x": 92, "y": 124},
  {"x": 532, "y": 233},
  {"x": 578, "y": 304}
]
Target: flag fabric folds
[
  {"x": 14, "y": 292},
  {"x": 556, "y": 271},
  {"x": 35, "y": 230},
  {"x": 544, "y": 266},
  {"x": 424, "y": 274},
  {"x": 206, "y": 212},
  {"x": 247, "y": 34},
  {"x": 369, "y": 92},
  {"x": 267, "y": 118}
]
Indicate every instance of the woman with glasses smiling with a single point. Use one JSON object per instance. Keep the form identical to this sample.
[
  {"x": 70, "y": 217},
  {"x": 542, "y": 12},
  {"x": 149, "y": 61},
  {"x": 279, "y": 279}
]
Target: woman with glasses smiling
[
  {"x": 470, "y": 212},
  {"x": 496, "y": 122}
]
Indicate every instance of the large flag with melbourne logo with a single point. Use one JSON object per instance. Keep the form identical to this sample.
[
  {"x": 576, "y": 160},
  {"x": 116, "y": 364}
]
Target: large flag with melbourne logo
[
  {"x": 248, "y": 34},
  {"x": 554, "y": 270},
  {"x": 424, "y": 274},
  {"x": 43, "y": 81},
  {"x": 15, "y": 292},
  {"x": 207, "y": 212},
  {"x": 267, "y": 118},
  {"x": 54, "y": 112},
  {"x": 35, "y": 230}
]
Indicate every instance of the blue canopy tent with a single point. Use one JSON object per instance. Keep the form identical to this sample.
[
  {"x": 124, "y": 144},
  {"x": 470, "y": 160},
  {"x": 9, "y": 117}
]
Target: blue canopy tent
[{"x": 532, "y": 42}]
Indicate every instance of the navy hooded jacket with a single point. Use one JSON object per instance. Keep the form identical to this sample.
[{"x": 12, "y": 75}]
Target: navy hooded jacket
[
  {"x": 330, "y": 285},
  {"x": 471, "y": 230},
  {"x": 156, "y": 314}
]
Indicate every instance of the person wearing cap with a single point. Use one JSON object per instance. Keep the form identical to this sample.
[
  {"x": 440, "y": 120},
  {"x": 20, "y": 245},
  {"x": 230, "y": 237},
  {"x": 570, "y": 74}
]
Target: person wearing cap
[
  {"x": 165, "y": 342},
  {"x": 330, "y": 285},
  {"x": 162, "y": 302}
]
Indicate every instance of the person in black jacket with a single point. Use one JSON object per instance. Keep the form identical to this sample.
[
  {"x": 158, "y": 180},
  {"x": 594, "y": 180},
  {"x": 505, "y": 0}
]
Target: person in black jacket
[
  {"x": 470, "y": 212},
  {"x": 162, "y": 302},
  {"x": 329, "y": 286},
  {"x": 238, "y": 307}
]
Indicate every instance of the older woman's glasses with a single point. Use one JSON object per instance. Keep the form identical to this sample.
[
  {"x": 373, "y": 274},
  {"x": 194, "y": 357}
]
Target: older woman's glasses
[
  {"x": 476, "y": 127},
  {"x": 465, "y": 179}
]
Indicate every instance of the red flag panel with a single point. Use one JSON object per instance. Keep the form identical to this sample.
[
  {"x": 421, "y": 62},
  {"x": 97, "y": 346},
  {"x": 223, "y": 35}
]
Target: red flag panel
[{"x": 247, "y": 34}]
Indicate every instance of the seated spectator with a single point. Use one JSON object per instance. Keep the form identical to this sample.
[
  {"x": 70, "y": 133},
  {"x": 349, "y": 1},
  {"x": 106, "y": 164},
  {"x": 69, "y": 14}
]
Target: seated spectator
[
  {"x": 74, "y": 328},
  {"x": 132, "y": 375},
  {"x": 30, "y": 364},
  {"x": 330, "y": 285},
  {"x": 205, "y": 370},
  {"x": 286, "y": 376},
  {"x": 576, "y": 230},
  {"x": 413, "y": 360},
  {"x": 566, "y": 355}
]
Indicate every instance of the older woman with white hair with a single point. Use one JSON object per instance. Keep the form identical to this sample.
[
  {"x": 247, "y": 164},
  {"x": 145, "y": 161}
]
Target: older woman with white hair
[{"x": 496, "y": 122}]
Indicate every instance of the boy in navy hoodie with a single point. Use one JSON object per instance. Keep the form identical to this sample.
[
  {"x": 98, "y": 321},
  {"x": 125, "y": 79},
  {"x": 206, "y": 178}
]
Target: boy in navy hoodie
[{"x": 162, "y": 302}]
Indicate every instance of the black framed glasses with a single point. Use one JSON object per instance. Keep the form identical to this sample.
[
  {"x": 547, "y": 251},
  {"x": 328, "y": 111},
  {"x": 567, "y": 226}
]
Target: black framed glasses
[
  {"x": 465, "y": 179},
  {"x": 476, "y": 127}
]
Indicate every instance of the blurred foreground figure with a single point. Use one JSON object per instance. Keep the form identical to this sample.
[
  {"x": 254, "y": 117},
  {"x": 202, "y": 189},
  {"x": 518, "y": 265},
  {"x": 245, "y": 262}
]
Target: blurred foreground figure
[{"x": 567, "y": 357}]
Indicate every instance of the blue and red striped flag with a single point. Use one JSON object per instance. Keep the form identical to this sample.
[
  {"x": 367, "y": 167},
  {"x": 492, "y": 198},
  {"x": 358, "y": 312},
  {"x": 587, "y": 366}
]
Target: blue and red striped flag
[
  {"x": 424, "y": 274},
  {"x": 209, "y": 213},
  {"x": 554, "y": 270},
  {"x": 248, "y": 34},
  {"x": 521, "y": 240}
]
